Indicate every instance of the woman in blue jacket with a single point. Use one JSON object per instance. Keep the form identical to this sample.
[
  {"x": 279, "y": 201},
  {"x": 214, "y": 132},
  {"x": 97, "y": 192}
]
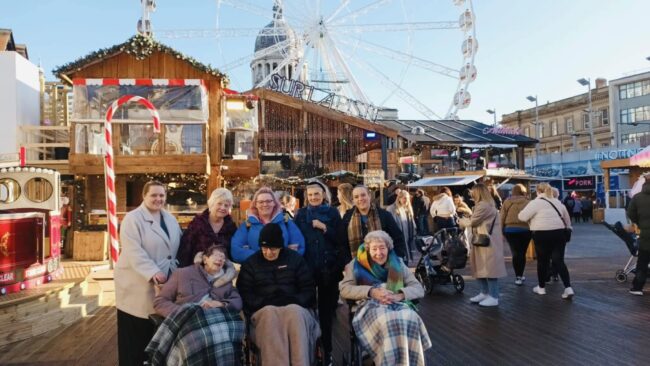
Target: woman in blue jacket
[{"x": 265, "y": 208}]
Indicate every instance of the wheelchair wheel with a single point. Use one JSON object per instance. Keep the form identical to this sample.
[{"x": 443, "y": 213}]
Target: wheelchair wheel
[
  {"x": 621, "y": 276},
  {"x": 459, "y": 283},
  {"x": 422, "y": 276}
]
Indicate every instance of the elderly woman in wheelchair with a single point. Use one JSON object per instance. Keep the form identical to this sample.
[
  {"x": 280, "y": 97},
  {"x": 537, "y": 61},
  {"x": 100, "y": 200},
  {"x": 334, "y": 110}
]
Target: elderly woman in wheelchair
[
  {"x": 278, "y": 288},
  {"x": 201, "y": 308},
  {"x": 385, "y": 322}
]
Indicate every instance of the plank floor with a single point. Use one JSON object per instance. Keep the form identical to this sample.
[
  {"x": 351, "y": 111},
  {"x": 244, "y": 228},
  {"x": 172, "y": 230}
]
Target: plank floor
[{"x": 603, "y": 325}]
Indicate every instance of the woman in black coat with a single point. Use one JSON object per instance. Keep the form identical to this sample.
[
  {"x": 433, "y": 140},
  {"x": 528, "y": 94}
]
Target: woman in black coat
[
  {"x": 365, "y": 217},
  {"x": 318, "y": 222}
]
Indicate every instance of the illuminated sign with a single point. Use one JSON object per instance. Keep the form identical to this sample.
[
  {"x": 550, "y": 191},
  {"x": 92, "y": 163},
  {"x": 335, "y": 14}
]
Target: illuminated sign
[
  {"x": 617, "y": 154},
  {"x": 370, "y": 135},
  {"x": 36, "y": 270},
  {"x": 7, "y": 277},
  {"x": 296, "y": 89},
  {"x": 501, "y": 131},
  {"x": 580, "y": 183}
]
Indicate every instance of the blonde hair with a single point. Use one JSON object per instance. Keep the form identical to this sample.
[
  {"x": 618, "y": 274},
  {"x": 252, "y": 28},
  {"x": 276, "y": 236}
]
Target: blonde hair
[
  {"x": 544, "y": 190},
  {"x": 556, "y": 192},
  {"x": 407, "y": 206},
  {"x": 253, "y": 210},
  {"x": 150, "y": 184},
  {"x": 344, "y": 194},
  {"x": 482, "y": 193}
]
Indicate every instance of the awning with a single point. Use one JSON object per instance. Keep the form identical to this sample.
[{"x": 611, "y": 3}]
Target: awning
[{"x": 449, "y": 180}]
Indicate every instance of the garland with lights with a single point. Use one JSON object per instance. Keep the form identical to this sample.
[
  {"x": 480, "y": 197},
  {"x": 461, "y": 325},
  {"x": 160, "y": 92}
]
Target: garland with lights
[{"x": 140, "y": 47}]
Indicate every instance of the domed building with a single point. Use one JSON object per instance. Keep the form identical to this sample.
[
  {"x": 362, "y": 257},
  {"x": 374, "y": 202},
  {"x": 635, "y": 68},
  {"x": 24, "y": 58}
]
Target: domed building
[{"x": 265, "y": 60}]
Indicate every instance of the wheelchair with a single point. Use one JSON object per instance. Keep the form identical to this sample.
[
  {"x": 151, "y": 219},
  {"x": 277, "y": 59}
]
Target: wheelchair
[{"x": 251, "y": 353}]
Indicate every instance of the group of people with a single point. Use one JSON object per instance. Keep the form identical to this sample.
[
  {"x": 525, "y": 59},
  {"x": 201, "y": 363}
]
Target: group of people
[
  {"x": 292, "y": 271},
  {"x": 580, "y": 208}
]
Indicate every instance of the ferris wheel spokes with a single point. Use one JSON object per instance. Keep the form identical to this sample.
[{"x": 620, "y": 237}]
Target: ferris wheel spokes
[
  {"x": 340, "y": 60},
  {"x": 282, "y": 46},
  {"x": 393, "y": 27},
  {"x": 276, "y": 70},
  {"x": 251, "y": 8},
  {"x": 356, "y": 13}
]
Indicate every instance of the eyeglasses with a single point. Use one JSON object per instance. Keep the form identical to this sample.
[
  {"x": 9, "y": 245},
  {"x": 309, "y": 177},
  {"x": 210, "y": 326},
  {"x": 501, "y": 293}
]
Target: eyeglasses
[{"x": 265, "y": 202}]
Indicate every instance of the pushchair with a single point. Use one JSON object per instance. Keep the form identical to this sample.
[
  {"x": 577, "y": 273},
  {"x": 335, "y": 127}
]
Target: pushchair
[
  {"x": 442, "y": 253},
  {"x": 631, "y": 241}
]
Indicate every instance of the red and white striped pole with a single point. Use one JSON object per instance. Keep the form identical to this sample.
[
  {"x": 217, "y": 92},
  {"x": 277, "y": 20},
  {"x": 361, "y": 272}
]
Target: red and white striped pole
[{"x": 109, "y": 172}]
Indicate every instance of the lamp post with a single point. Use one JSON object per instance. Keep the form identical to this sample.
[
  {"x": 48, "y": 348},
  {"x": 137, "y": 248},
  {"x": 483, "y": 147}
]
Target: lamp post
[
  {"x": 587, "y": 83},
  {"x": 493, "y": 112},
  {"x": 536, "y": 124}
]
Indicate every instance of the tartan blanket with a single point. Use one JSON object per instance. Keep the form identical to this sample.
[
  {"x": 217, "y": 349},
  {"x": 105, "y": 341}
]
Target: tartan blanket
[
  {"x": 193, "y": 336},
  {"x": 391, "y": 334}
]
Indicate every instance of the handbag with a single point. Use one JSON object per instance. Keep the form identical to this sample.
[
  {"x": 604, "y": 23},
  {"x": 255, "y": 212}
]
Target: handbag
[
  {"x": 483, "y": 240},
  {"x": 567, "y": 231}
]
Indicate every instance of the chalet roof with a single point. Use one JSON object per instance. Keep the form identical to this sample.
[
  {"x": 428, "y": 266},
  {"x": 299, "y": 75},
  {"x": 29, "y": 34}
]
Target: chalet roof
[
  {"x": 7, "y": 40},
  {"x": 454, "y": 132},
  {"x": 138, "y": 46}
]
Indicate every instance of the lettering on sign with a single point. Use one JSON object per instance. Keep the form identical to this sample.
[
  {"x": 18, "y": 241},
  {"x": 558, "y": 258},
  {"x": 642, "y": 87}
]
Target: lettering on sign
[
  {"x": 7, "y": 277},
  {"x": 297, "y": 89},
  {"x": 34, "y": 271},
  {"x": 501, "y": 131},
  {"x": 373, "y": 177},
  {"x": 617, "y": 154},
  {"x": 580, "y": 183}
]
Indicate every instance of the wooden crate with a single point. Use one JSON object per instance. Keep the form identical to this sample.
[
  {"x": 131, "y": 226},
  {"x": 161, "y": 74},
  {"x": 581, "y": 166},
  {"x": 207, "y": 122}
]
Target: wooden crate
[{"x": 90, "y": 246}]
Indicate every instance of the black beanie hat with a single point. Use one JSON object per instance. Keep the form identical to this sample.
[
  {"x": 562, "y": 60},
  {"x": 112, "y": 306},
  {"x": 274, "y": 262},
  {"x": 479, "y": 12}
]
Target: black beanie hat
[{"x": 271, "y": 236}]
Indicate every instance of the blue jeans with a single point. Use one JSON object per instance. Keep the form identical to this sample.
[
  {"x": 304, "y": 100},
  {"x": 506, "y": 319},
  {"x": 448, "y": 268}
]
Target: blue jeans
[
  {"x": 423, "y": 225},
  {"x": 489, "y": 286}
]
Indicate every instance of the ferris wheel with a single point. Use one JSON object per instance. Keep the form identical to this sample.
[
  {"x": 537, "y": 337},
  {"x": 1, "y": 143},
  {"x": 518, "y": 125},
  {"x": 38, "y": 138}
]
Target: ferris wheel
[{"x": 418, "y": 54}]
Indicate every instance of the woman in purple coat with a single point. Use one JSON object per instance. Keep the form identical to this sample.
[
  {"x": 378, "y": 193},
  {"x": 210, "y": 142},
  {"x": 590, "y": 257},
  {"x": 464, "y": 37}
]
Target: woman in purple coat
[{"x": 214, "y": 226}]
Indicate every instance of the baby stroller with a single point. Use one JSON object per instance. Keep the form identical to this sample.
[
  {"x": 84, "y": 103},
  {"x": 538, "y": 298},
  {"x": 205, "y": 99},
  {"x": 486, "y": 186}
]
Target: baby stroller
[
  {"x": 442, "y": 253},
  {"x": 631, "y": 241}
]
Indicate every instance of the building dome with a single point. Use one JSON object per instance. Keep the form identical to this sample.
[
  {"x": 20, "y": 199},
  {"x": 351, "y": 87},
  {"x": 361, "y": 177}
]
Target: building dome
[{"x": 275, "y": 32}]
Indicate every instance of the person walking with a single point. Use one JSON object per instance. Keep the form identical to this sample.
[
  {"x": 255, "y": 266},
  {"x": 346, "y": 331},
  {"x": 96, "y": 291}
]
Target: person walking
[
  {"x": 403, "y": 214},
  {"x": 639, "y": 213},
  {"x": 420, "y": 212},
  {"x": 517, "y": 232},
  {"x": 548, "y": 220},
  {"x": 487, "y": 262},
  {"x": 442, "y": 209},
  {"x": 577, "y": 209}
]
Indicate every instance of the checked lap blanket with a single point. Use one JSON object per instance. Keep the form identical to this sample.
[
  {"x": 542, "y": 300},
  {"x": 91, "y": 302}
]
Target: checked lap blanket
[
  {"x": 391, "y": 334},
  {"x": 193, "y": 336}
]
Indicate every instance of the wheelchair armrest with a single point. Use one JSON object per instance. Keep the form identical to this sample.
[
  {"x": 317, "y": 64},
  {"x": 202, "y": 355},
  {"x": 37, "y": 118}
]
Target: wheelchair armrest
[{"x": 156, "y": 320}]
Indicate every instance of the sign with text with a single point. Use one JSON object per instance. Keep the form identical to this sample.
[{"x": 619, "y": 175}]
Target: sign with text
[
  {"x": 580, "y": 183},
  {"x": 373, "y": 178}
]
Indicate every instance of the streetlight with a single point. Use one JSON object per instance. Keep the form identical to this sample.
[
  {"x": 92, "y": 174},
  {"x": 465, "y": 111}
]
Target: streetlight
[
  {"x": 536, "y": 124},
  {"x": 587, "y": 83},
  {"x": 493, "y": 112}
]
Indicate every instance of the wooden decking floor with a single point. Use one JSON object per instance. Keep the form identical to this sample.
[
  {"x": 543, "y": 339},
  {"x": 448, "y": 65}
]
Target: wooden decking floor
[{"x": 602, "y": 325}]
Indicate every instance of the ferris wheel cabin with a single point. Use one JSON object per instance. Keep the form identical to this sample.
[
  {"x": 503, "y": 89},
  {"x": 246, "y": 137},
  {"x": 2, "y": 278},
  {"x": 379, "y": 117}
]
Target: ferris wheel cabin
[{"x": 30, "y": 239}]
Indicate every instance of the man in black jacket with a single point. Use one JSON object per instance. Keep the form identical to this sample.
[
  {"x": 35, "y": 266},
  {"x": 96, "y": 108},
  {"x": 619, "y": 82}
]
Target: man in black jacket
[
  {"x": 278, "y": 288},
  {"x": 365, "y": 217}
]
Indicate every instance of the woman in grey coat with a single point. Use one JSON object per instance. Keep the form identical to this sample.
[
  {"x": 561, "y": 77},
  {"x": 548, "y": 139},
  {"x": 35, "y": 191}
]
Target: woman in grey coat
[
  {"x": 487, "y": 262},
  {"x": 149, "y": 238}
]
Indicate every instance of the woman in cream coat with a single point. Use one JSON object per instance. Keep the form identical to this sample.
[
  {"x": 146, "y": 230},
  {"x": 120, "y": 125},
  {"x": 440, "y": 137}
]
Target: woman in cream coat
[
  {"x": 487, "y": 263},
  {"x": 149, "y": 239}
]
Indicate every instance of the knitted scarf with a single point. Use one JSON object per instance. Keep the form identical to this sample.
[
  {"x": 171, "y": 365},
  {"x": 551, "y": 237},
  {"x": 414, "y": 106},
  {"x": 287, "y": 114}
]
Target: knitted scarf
[
  {"x": 368, "y": 273},
  {"x": 355, "y": 229},
  {"x": 319, "y": 213}
]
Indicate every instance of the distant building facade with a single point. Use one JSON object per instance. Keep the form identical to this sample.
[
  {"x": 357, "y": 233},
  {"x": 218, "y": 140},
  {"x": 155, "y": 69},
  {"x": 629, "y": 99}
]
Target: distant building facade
[{"x": 630, "y": 107}]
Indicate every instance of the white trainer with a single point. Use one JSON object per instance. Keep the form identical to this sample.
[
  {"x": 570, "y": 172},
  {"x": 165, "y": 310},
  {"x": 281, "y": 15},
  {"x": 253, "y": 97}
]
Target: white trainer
[
  {"x": 489, "y": 301},
  {"x": 478, "y": 298},
  {"x": 520, "y": 280},
  {"x": 540, "y": 290},
  {"x": 568, "y": 293}
]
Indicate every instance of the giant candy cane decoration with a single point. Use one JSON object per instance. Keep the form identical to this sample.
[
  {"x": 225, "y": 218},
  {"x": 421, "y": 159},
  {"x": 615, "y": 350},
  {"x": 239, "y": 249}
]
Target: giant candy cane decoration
[{"x": 109, "y": 172}]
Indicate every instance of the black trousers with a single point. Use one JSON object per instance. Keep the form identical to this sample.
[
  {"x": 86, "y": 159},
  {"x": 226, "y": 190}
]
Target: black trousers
[
  {"x": 133, "y": 336},
  {"x": 328, "y": 297},
  {"x": 518, "y": 246},
  {"x": 550, "y": 244},
  {"x": 641, "y": 270}
]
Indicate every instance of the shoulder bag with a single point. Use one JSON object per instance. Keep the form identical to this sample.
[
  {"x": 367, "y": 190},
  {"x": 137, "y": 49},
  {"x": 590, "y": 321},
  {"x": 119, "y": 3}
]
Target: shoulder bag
[
  {"x": 483, "y": 240},
  {"x": 567, "y": 231}
]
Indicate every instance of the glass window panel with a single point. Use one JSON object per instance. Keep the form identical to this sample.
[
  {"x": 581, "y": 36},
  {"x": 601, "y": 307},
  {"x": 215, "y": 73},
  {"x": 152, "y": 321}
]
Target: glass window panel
[
  {"x": 239, "y": 145},
  {"x": 136, "y": 139},
  {"x": 183, "y": 139},
  {"x": 89, "y": 138}
]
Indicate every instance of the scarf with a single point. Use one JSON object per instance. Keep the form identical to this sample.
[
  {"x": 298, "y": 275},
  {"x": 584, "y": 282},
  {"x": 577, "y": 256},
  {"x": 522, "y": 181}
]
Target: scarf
[
  {"x": 319, "y": 213},
  {"x": 368, "y": 273},
  {"x": 355, "y": 229}
]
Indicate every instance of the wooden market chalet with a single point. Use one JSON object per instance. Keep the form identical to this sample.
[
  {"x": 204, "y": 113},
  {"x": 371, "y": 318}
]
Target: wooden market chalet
[{"x": 210, "y": 136}]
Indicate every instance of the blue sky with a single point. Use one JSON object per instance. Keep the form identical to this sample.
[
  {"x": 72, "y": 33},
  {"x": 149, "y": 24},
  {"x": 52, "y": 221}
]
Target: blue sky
[{"x": 526, "y": 47}]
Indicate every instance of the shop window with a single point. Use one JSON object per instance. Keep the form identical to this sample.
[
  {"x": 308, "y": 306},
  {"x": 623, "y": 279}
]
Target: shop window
[
  {"x": 89, "y": 138},
  {"x": 239, "y": 145},
  {"x": 240, "y": 116},
  {"x": 136, "y": 139},
  {"x": 183, "y": 139}
]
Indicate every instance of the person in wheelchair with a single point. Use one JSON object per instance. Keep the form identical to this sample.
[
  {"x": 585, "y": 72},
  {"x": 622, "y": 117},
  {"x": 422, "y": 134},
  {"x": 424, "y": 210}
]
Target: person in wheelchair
[
  {"x": 278, "y": 288},
  {"x": 201, "y": 307},
  {"x": 385, "y": 322}
]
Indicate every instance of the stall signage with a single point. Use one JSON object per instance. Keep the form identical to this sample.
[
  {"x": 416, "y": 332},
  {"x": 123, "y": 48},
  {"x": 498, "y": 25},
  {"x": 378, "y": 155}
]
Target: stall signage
[
  {"x": 7, "y": 277},
  {"x": 617, "y": 154},
  {"x": 297, "y": 89},
  {"x": 373, "y": 177},
  {"x": 580, "y": 183},
  {"x": 501, "y": 131},
  {"x": 35, "y": 270},
  {"x": 613, "y": 182}
]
